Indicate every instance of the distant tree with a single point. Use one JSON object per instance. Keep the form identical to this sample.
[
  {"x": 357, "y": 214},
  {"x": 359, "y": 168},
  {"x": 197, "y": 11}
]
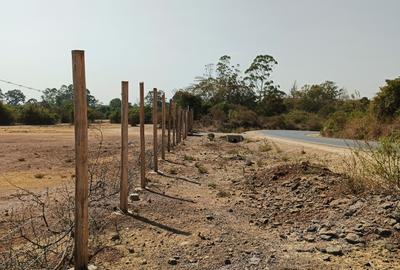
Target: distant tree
[
  {"x": 185, "y": 99},
  {"x": 15, "y": 97},
  {"x": 259, "y": 73},
  {"x": 272, "y": 103},
  {"x": 115, "y": 104},
  {"x": 7, "y": 115},
  {"x": 148, "y": 100},
  {"x": 386, "y": 104}
]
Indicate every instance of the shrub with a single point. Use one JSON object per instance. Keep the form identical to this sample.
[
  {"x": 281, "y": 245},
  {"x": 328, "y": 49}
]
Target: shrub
[
  {"x": 35, "y": 114},
  {"x": 115, "y": 116},
  {"x": 242, "y": 117},
  {"x": 134, "y": 116},
  {"x": 7, "y": 115}
]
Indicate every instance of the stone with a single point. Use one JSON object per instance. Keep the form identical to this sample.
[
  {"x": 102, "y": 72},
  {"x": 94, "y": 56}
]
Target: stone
[
  {"x": 211, "y": 136},
  {"x": 384, "y": 232},
  {"x": 312, "y": 228},
  {"x": 391, "y": 221},
  {"x": 249, "y": 162},
  {"x": 227, "y": 262},
  {"x": 115, "y": 237},
  {"x": 334, "y": 250},
  {"x": 172, "y": 261},
  {"x": 234, "y": 138},
  {"x": 397, "y": 227},
  {"x": 134, "y": 197},
  {"x": 352, "y": 238},
  {"x": 353, "y": 208},
  {"x": 143, "y": 262},
  {"x": 254, "y": 260},
  {"x": 209, "y": 217}
]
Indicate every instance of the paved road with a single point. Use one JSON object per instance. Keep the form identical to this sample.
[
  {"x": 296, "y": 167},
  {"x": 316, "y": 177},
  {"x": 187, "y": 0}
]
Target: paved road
[{"x": 312, "y": 137}]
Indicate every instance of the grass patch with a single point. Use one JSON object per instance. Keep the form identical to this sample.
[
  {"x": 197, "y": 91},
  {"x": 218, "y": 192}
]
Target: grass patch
[
  {"x": 172, "y": 171},
  {"x": 223, "y": 194},
  {"x": 264, "y": 146},
  {"x": 188, "y": 158},
  {"x": 212, "y": 185},
  {"x": 201, "y": 168}
]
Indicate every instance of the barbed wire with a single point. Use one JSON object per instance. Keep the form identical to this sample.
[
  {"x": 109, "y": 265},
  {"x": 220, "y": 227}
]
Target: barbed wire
[{"x": 23, "y": 86}]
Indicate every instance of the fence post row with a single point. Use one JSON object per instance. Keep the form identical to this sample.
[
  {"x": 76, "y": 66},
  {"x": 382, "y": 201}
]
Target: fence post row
[
  {"x": 124, "y": 148},
  {"x": 163, "y": 112},
  {"x": 155, "y": 139},
  {"x": 179, "y": 120},
  {"x": 81, "y": 161}
]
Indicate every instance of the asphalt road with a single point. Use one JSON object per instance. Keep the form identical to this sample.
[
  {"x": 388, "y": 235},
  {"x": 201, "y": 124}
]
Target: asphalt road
[{"x": 313, "y": 137}]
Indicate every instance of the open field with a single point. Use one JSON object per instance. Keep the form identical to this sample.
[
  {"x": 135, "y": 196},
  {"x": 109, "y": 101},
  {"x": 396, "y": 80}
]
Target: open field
[{"x": 259, "y": 205}]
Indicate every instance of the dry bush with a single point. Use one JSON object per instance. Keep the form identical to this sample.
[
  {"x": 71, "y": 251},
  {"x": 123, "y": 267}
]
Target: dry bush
[
  {"x": 39, "y": 231},
  {"x": 374, "y": 166}
]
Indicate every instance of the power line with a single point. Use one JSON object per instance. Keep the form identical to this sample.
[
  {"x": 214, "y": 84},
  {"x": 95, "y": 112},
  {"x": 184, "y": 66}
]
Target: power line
[{"x": 23, "y": 86}]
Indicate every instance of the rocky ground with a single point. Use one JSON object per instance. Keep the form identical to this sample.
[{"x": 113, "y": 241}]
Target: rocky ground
[
  {"x": 255, "y": 208},
  {"x": 256, "y": 204}
]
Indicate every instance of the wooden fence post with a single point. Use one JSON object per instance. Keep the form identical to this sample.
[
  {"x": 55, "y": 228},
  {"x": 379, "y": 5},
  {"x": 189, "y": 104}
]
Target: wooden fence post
[
  {"x": 163, "y": 114},
  {"x": 155, "y": 137},
  {"x": 123, "y": 192},
  {"x": 169, "y": 126},
  {"x": 142, "y": 142},
  {"x": 178, "y": 125},
  {"x": 184, "y": 123},
  {"x": 81, "y": 161},
  {"x": 173, "y": 108}
]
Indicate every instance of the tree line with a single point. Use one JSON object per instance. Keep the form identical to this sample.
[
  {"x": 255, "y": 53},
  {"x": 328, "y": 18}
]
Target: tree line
[{"x": 225, "y": 98}]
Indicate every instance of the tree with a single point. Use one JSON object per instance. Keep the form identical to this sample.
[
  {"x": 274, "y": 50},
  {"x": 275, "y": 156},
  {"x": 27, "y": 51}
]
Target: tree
[
  {"x": 15, "y": 97},
  {"x": 7, "y": 115},
  {"x": 2, "y": 97},
  {"x": 184, "y": 99},
  {"x": 387, "y": 102},
  {"x": 272, "y": 103},
  {"x": 148, "y": 100},
  {"x": 259, "y": 73}
]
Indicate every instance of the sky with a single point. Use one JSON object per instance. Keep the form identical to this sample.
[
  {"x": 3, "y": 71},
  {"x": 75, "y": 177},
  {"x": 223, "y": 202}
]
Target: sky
[{"x": 167, "y": 43}]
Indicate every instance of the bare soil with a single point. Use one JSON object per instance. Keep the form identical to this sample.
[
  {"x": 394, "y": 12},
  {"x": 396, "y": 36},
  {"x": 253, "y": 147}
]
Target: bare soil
[{"x": 253, "y": 207}]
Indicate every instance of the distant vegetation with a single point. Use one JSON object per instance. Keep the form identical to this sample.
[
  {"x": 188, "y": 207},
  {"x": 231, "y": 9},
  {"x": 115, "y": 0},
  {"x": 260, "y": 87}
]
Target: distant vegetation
[{"x": 227, "y": 99}]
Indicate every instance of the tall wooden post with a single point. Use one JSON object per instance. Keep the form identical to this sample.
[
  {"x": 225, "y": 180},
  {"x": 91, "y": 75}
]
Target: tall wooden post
[
  {"x": 191, "y": 120},
  {"x": 142, "y": 142},
  {"x": 81, "y": 161},
  {"x": 174, "y": 114},
  {"x": 169, "y": 125},
  {"x": 184, "y": 128},
  {"x": 181, "y": 125},
  {"x": 155, "y": 137},
  {"x": 178, "y": 125},
  {"x": 163, "y": 114},
  {"x": 123, "y": 193}
]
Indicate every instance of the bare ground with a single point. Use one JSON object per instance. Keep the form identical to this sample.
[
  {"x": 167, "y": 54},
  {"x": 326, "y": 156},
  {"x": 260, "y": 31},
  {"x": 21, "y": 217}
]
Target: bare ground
[{"x": 255, "y": 208}]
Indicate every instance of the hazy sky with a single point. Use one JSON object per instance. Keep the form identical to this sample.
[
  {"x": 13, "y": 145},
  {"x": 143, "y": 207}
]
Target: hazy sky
[{"x": 166, "y": 43}]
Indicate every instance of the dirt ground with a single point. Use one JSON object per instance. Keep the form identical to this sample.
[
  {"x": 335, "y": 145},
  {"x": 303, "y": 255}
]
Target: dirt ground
[{"x": 256, "y": 204}]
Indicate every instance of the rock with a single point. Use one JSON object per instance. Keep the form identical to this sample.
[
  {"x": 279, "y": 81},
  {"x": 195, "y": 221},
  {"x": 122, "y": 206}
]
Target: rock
[
  {"x": 227, "y": 262},
  {"x": 234, "y": 138},
  {"x": 328, "y": 235},
  {"x": 254, "y": 260},
  {"x": 384, "y": 232},
  {"x": 305, "y": 249},
  {"x": 134, "y": 197},
  {"x": 249, "y": 162},
  {"x": 397, "y": 227},
  {"x": 326, "y": 258},
  {"x": 115, "y": 237},
  {"x": 353, "y": 208},
  {"x": 172, "y": 261},
  {"x": 352, "y": 238},
  {"x": 131, "y": 250},
  {"x": 312, "y": 228},
  {"x": 211, "y": 136},
  {"x": 386, "y": 205},
  {"x": 334, "y": 250},
  {"x": 391, "y": 221},
  {"x": 209, "y": 217},
  {"x": 143, "y": 262},
  {"x": 309, "y": 238}
]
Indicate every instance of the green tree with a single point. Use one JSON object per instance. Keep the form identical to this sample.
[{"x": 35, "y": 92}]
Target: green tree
[
  {"x": 258, "y": 75},
  {"x": 15, "y": 97},
  {"x": 386, "y": 104},
  {"x": 7, "y": 115},
  {"x": 272, "y": 103}
]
